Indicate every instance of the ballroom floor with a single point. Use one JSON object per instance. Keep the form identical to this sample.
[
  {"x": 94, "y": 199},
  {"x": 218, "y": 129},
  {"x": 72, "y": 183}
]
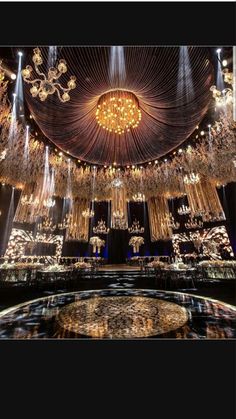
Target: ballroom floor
[
  {"x": 102, "y": 292},
  {"x": 120, "y": 314}
]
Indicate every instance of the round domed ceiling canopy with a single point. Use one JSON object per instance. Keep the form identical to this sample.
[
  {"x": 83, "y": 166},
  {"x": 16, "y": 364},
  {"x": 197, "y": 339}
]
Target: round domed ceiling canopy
[{"x": 167, "y": 88}]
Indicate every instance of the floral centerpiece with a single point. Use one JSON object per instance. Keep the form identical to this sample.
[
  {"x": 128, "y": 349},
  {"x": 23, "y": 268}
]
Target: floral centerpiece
[
  {"x": 157, "y": 264},
  {"x": 82, "y": 265},
  {"x": 136, "y": 242},
  {"x": 97, "y": 243},
  {"x": 218, "y": 263},
  {"x": 54, "y": 268},
  {"x": 178, "y": 265}
]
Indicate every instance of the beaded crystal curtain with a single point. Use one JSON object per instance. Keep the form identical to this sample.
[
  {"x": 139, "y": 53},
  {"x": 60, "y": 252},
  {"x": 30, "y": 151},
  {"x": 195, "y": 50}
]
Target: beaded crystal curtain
[
  {"x": 158, "y": 212},
  {"x": 119, "y": 206},
  {"x": 171, "y": 85},
  {"x": 78, "y": 225},
  {"x": 203, "y": 198}
]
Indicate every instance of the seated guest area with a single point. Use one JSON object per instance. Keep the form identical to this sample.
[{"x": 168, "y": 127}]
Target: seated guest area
[{"x": 117, "y": 192}]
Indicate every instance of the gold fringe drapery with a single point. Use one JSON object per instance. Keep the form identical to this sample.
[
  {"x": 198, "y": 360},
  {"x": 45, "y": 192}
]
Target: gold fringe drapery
[
  {"x": 78, "y": 225},
  {"x": 30, "y": 211},
  {"x": 203, "y": 198},
  {"x": 158, "y": 212},
  {"x": 119, "y": 205}
]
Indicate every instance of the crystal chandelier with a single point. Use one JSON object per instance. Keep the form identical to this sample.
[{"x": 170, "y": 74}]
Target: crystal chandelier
[
  {"x": 193, "y": 223},
  {"x": 119, "y": 222},
  {"x": 222, "y": 98},
  {"x": 117, "y": 183},
  {"x": 47, "y": 84},
  {"x": 209, "y": 217},
  {"x": 118, "y": 111},
  {"x": 135, "y": 228},
  {"x": 184, "y": 210},
  {"x": 228, "y": 76},
  {"x": 47, "y": 225},
  {"x": 65, "y": 223},
  {"x": 172, "y": 223},
  {"x": 88, "y": 213},
  {"x": 138, "y": 197},
  {"x": 29, "y": 200},
  {"x": 49, "y": 202},
  {"x": 101, "y": 228},
  {"x": 191, "y": 178}
]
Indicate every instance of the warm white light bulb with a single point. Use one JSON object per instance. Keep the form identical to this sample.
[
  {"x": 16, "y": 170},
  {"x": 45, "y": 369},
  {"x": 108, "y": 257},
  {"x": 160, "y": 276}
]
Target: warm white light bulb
[
  {"x": 13, "y": 76},
  {"x": 20, "y": 53},
  {"x": 218, "y": 50},
  {"x": 224, "y": 63}
]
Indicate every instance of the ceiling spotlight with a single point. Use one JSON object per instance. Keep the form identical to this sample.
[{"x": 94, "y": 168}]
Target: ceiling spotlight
[
  {"x": 31, "y": 117},
  {"x": 180, "y": 151},
  {"x": 165, "y": 160},
  {"x": 156, "y": 161},
  {"x": 209, "y": 125},
  {"x": 202, "y": 132},
  {"x": 27, "y": 126},
  {"x": 14, "y": 95},
  {"x": 13, "y": 76},
  {"x": 224, "y": 63},
  {"x": 20, "y": 53},
  {"x": 150, "y": 162},
  {"x": 218, "y": 50}
]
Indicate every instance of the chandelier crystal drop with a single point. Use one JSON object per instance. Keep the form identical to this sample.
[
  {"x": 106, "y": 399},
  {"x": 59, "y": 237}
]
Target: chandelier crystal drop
[
  {"x": 49, "y": 203},
  {"x": 101, "y": 228},
  {"x": 138, "y": 197},
  {"x": 193, "y": 223},
  {"x": 118, "y": 111},
  {"x": 46, "y": 85},
  {"x": 135, "y": 228},
  {"x": 47, "y": 225},
  {"x": 88, "y": 213},
  {"x": 29, "y": 200},
  {"x": 172, "y": 223},
  {"x": 184, "y": 210},
  {"x": 191, "y": 178}
]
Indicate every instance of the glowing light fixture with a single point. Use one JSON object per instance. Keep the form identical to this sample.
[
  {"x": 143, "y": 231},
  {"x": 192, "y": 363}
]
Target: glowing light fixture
[
  {"x": 48, "y": 84},
  {"x": 118, "y": 111}
]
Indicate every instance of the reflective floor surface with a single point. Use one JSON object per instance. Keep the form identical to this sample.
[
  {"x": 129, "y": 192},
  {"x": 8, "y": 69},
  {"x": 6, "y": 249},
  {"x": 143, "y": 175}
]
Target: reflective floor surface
[{"x": 119, "y": 314}]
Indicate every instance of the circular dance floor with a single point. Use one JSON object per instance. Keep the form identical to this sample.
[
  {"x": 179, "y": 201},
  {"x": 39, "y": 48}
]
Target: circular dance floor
[{"x": 119, "y": 314}]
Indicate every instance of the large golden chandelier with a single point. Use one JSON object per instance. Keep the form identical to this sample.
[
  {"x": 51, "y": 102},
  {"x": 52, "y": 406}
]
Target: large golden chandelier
[
  {"x": 118, "y": 111},
  {"x": 45, "y": 85}
]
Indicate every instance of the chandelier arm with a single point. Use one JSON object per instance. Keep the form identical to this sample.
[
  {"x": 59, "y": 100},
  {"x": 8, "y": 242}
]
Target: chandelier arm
[
  {"x": 39, "y": 73},
  {"x": 65, "y": 89},
  {"x": 58, "y": 75},
  {"x": 58, "y": 93},
  {"x": 32, "y": 81}
]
